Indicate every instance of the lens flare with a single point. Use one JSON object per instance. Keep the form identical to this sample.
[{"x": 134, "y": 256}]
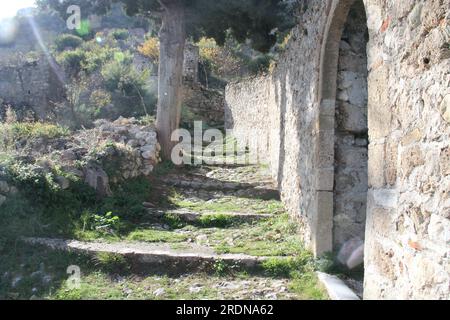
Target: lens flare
[
  {"x": 8, "y": 31},
  {"x": 55, "y": 67}
]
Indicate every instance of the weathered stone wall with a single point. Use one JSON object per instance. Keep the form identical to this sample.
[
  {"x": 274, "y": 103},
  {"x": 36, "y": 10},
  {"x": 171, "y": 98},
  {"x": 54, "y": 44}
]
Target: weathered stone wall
[
  {"x": 253, "y": 116},
  {"x": 203, "y": 104},
  {"x": 283, "y": 105},
  {"x": 407, "y": 236},
  {"x": 30, "y": 83},
  {"x": 408, "y": 227},
  {"x": 351, "y": 133}
]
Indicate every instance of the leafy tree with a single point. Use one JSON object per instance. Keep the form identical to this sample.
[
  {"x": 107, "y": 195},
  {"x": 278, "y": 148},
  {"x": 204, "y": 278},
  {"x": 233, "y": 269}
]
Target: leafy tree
[{"x": 257, "y": 20}]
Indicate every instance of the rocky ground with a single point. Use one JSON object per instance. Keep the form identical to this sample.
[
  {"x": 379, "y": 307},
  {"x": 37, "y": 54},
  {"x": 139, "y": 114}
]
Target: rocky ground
[{"x": 210, "y": 232}]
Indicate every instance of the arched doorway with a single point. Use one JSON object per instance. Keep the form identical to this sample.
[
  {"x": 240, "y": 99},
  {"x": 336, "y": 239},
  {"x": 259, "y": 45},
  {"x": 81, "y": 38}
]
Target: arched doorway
[{"x": 342, "y": 148}]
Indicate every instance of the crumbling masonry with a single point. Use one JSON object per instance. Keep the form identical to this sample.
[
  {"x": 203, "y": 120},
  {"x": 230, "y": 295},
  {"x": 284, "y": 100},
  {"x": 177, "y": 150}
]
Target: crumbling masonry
[{"x": 356, "y": 118}]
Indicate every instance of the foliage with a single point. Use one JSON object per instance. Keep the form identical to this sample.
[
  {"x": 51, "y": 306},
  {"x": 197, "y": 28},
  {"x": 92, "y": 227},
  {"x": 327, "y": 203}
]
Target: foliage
[
  {"x": 150, "y": 48},
  {"x": 104, "y": 224},
  {"x": 42, "y": 207},
  {"x": 68, "y": 41},
  {"x": 120, "y": 34},
  {"x": 216, "y": 220},
  {"x": 111, "y": 262},
  {"x": 259, "y": 21},
  {"x": 128, "y": 198},
  {"x": 100, "y": 98},
  {"x": 124, "y": 78},
  {"x": 90, "y": 57},
  {"x": 72, "y": 59},
  {"x": 13, "y": 132}
]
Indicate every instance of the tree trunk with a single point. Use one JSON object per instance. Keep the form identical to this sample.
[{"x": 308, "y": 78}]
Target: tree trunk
[{"x": 172, "y": 39}]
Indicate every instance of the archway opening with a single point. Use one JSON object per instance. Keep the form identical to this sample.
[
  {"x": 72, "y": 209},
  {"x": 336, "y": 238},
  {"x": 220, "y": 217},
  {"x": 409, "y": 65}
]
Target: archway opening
[{"x": 351, "y": 139}]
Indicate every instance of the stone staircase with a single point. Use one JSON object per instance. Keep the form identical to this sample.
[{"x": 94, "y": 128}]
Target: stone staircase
[{"x": 201, "y": 220}]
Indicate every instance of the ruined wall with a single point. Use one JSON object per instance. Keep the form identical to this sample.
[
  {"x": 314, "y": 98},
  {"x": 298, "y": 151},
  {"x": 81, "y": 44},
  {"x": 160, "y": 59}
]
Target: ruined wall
[
  {"x": 407, "y": 236},
  {"x": 289, "y": 96},
  {"x": 29, "y": 83},
  {"x": 252, "y": 114}
]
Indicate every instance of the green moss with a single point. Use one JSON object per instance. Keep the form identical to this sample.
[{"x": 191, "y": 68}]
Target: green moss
[
  {"x": 112, "y": 263},
  {"x": 149, "y": 235},
  {"x": 216, "y": 220}
]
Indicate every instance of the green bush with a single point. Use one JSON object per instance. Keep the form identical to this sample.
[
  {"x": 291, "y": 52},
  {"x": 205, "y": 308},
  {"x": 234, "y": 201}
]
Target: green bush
[
  {"x": 68, "y": 41},
  {"x": 103, "y": 224},
  {"x": 97, "y": 56},
  {"x": 120, "y": 34},
  {"x": 124, "y": 78},
  {"x": 73, "y": 60},
  {"x": 11, "y": 133}
]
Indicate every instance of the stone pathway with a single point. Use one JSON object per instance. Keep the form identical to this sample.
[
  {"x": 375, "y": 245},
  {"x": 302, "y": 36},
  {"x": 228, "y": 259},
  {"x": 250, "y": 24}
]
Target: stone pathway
[{"x": 204, "y": 221}]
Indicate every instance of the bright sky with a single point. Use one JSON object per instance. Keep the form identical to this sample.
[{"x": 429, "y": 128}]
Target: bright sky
[{"x": 9, "y": 8}]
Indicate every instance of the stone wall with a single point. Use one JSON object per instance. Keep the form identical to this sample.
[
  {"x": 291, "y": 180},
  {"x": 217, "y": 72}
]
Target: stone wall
[
  {"x": 110, "y": 153},
  {"x": 407, "y": 232},
  {"x": 203, "y": 104},
  {"x": 30, "y": 84},
  {"x": 252, "y": 114},
  {"x": 351, "y": 133}
]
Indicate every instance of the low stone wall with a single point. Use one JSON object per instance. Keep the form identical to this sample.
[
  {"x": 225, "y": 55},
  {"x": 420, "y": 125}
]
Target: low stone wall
[{"x": 112, "y": 152}]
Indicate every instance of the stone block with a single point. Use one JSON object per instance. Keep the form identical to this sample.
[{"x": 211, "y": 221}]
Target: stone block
[
  {"x": 376, "y": 166},
  {"x": 445, "y": 161},
  {"x": 410, "y": 159},
  {"x": 322, "y": 231},
  {"x": 379, "y": 108},
  {"x": 4, "y": 187},
  {"x": 352, "y": 118},
  {"x": 325, "y": 179},
  {"x": 412, "y": 137},
  {"x": 381, "y": 221},
  {"x": 445, "y": 108},
  {"x": 325, "y": 149},
  {"x": 391, "y": 158},
  {"x": 2, "y": 200}
]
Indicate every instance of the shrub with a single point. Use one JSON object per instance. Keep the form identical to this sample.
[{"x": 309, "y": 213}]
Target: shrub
[
  {"x": 104, "y": 224},
  {"x": 208, "y": 48},
  {"x": 100, "y": 98},
  {"x": 11, "y": 133},
  {"x": 150, "y": 48},
  {"x": 100, "y": 56},
  {"x": 68, "y": 41},
  {"x": 124, "y": 78},
  {"x": 120, "y": 34},
  {"x": 72, "y": 59}
]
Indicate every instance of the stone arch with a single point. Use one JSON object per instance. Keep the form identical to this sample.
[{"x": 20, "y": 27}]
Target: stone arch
[{"x": 322, "y": 230}]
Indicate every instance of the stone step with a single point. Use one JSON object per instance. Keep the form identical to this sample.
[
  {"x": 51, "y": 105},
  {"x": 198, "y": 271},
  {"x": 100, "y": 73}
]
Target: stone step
[
  {"x": 145, "y": 258},
  {"x": 205, "y": 184},
  {"x": 196, "y": 183},
  {"x": 196, "y": 217}
]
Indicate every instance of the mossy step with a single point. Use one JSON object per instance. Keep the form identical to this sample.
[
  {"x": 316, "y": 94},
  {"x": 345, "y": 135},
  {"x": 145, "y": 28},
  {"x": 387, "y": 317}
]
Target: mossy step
[
  {"x": 216, "y": 185},
  {"x": 198, "y": 183},
  {"x": 155, "y": 257},
  {"x": 207, "y": 218}
]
